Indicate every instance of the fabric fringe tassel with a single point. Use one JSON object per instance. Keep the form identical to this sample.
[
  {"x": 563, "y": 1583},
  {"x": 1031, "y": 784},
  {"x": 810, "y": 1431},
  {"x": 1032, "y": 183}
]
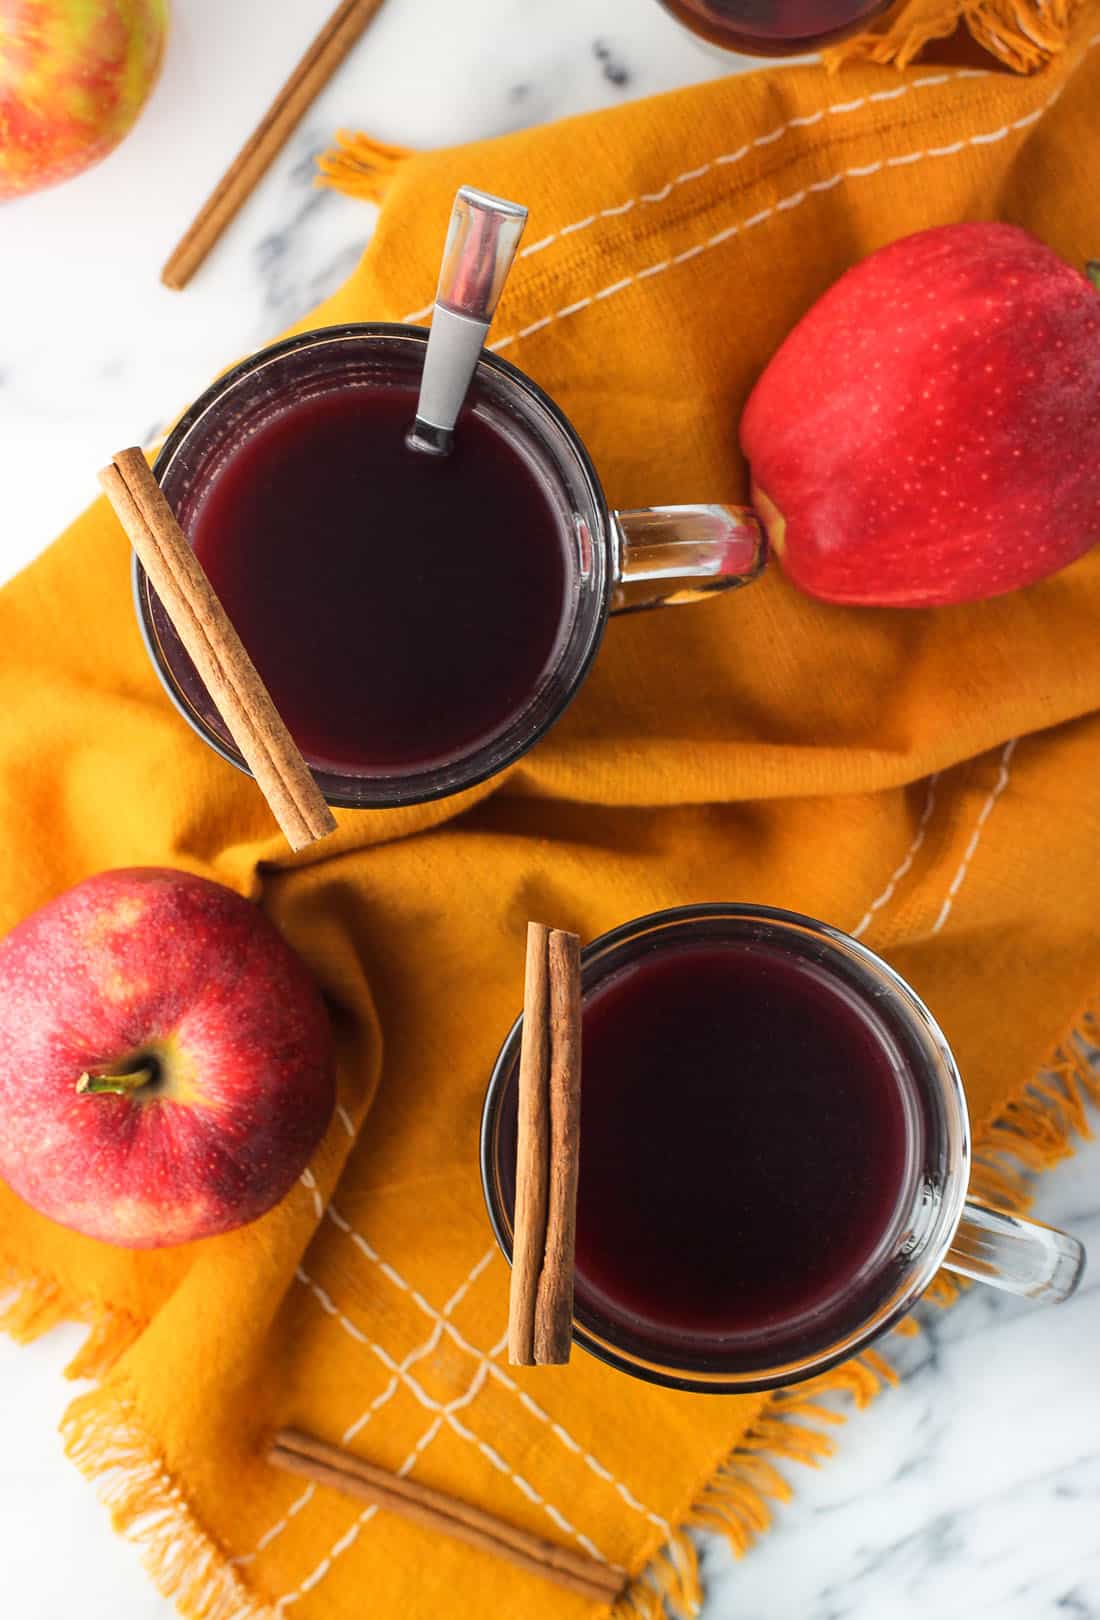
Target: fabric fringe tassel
[
  {"x": 32, "y": 1306},
  {"x": 1023, "y": 34},
  {"x": 107, "y": 1443},
  {"x": 110, "y": 1336},
  {"x": 104, "y": 1437},
  {"x": 360, "y": 166}
]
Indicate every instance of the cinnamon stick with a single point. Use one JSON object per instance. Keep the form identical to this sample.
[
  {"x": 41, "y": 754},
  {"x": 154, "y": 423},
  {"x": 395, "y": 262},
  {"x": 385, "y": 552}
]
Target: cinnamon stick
[
  {"x": 532, "y": 1150},
  {"x": 255, "y": 157},
  {"x": 313, "y": 1459},
  {"x": 554, "y": 1305},
  {"x": 215, "y": 649},
  {"x": 540, "y": 1305}
]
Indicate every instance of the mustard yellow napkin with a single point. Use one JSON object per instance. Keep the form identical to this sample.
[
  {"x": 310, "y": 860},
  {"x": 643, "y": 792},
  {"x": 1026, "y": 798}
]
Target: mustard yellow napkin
[{"x": 923, "y": 779}]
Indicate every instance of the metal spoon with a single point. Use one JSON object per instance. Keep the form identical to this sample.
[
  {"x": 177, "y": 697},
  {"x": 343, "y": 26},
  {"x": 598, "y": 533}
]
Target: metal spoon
[{"x": 481, "y": 243}]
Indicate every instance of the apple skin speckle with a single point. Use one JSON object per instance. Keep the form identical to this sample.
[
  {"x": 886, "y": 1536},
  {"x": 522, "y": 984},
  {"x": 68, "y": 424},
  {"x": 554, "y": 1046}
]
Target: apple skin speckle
[
  {"x": 152, "y": 966},
  {"x": 930, "y": 430}
]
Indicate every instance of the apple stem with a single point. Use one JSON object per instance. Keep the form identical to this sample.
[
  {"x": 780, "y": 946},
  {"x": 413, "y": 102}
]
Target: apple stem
[
  {"x": 121, "y": 1085},
  {"x": 1092, "y": 270}
]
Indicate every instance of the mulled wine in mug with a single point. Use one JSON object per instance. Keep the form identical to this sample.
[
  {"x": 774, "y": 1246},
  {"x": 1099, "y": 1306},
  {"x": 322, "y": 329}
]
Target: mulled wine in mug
[
  {"x": 419, "y": 621},
  {"x": 774, "y": 1153}
]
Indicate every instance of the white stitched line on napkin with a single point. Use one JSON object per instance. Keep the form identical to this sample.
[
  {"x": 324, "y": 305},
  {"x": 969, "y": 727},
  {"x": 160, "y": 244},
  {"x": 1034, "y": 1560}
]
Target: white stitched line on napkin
[
  {"x": 376, "y": 1404},
  {"x": 792, "y": 201},
  {"x": 724, "y": 158},
  {"x": 345, "y": 1119},
  {"x": 351, "y": 1535},
  {"x": 528, "y": 1490},
  {"x": 431, "y": 1343},
  {"x": 838, "y": 109},
  {"x": 309, "y": 1181},
  {"x": 497, "y": 1372},
  {"x": 445, "y": 1410},
  {"x": 475, "y": 1272},
  {"x": 395, "y": 1276},
  {"x": 570, "y": 1444},
  {"x": 380, "y": 1400},
  {"x": 277, "y": 1529},
  {"x": 975, "y": 838},
  {"x": 910, "y": 856}
]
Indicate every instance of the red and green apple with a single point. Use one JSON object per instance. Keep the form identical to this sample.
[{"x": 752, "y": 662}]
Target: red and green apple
[
  {"x": 74, "y": 74},
  {"x": 166, "y": 1061}
]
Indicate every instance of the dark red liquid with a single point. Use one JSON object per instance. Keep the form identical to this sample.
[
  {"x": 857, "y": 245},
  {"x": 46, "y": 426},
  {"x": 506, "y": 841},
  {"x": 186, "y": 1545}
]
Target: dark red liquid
[
  {"x": 773, "y": 27},
  {"x": 743, "y": 1144},
  {"x": 402, "y": 608}
]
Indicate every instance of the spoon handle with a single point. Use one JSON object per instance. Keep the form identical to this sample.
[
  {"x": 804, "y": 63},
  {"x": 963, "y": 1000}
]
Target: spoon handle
[{"x": 481, "y": 244}]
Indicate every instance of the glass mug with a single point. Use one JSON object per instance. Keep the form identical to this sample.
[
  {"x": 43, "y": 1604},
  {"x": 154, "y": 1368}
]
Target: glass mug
[
  {"x": 616, "y": 561},
  {"x": 929, "y": 1221}
]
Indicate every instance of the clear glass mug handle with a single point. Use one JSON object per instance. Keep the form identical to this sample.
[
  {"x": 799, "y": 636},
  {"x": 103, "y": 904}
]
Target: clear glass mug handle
[
  {"x": 667, "y": 555},
  {"x": 1018, "y": 1256}
]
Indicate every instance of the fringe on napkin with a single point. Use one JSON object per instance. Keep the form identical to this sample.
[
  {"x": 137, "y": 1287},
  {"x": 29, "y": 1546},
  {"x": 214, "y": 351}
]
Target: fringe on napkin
[
  {"x": 1022, "y": 34},
  {"x": 31, "y": 1306},
  {"x": 359, "y": 166},
  {"x": 105, "y": 1438}
]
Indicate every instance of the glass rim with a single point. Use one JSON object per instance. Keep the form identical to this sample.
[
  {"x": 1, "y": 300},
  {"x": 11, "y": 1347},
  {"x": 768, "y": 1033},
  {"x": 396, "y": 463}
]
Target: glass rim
[
  {"x": 422, "y": 786},
  {"x": 953, "y": 1193}
]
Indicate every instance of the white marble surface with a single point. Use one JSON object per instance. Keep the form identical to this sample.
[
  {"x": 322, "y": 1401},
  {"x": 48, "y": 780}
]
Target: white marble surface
[{"x": 972, "y": 1489}]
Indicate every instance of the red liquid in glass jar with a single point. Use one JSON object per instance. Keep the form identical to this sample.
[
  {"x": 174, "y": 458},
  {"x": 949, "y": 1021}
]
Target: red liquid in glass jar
[
  {"x": 773, "y": 27},
  {"x": 401, "y": 608},
  {"x": 743, "y": 1144}
]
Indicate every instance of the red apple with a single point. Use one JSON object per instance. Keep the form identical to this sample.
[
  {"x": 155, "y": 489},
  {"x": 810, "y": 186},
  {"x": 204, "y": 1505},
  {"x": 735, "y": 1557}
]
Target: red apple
[
  {"x": 930, "y": 431},
  {"x": 166, "y": 1065},
  {"x": 74, "y": 74}
]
